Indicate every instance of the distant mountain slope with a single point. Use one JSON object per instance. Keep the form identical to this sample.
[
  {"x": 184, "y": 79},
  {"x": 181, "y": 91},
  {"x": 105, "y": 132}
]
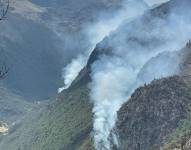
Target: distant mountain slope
[
  {"x": 72, "y": 14},
  {"x": 64, "y": 124},
  {"x": 35, "y": 61},
  {"x": 36, "y": 42}
]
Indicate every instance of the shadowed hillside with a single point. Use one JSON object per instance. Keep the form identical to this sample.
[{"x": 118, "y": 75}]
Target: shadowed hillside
[{"x": 36, "y": 42}]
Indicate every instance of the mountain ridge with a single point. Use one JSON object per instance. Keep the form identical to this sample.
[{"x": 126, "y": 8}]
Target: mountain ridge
[{"x": 67, "y": 123}]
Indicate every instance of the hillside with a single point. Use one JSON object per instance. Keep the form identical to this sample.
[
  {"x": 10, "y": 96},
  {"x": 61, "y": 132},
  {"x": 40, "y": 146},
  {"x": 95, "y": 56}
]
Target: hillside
[
  {"x": 63, "y": 124},
  {"x": 36, "y": 55},
  {"x": 152, "y": 112},
  {"x": 157, "y": 115},
  {"x": 36, "y": 42},
  {"x": 13, "y": 107}
]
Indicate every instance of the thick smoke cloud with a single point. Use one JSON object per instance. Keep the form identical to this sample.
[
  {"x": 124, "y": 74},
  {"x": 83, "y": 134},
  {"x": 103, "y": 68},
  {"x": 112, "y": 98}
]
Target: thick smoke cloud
[
  {"x": 96, "y": 32},
  {"x": 111, "y": 81},
  {"x": 71, "y": 71},
  {"x": 142, "y": 50},
  {"x": 100, "y": 29}
]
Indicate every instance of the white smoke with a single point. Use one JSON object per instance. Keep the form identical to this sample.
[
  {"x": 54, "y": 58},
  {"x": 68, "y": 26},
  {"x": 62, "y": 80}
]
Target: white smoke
[
  {"x": 97, "y": 32},
  {"x": 71, "y": 71},
  {"x": 131, "y": 64},
  {"x": 115, "y": 77},
  {"x": 111, "y": 80}
]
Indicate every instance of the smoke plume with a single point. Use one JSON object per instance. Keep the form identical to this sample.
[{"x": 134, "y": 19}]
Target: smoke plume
[
  {"x": 141, "y": 50},
  {"x": 96, "y": 32}
]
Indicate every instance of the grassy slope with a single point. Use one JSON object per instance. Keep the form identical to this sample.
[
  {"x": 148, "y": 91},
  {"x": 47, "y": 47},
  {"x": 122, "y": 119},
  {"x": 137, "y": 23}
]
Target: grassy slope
[{"x": 63, "y": 125}]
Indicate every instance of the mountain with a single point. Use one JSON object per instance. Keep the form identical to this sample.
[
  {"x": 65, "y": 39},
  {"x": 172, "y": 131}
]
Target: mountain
[
  {"x": 37, "y": 42},
  {"x": 36, "y": 53},
  {"x": 153, "y": 112},
  {"x": 13, "y": 109},
  {"x": 63, "y": 124}
]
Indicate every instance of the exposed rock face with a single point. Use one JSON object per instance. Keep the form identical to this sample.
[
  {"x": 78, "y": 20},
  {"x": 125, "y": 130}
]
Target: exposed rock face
[{"x": 152, "y": 113}]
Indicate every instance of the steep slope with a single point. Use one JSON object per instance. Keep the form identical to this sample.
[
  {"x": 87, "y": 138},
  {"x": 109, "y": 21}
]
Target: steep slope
[
  {"x": 63, "y": 124},
  {"x": 67, "y": 122},
  {"x": 13, "y": 109},
  {"x": 159, "y": 113},
  {"x": 36, "y": 42},
  {"x": 141, "y": 33},
  {"x": 22, "y": 50},
  {"x": 152, "y": 113},
  {"x": 180, "y": 137}
]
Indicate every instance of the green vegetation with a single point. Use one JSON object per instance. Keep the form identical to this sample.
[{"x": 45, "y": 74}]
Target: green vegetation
[
  {"x": 64, "y": 124},
  {"x": 181, "y": 135}
]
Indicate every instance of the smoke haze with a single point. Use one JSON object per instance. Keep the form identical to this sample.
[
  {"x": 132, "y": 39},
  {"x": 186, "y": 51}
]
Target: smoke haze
[
  {"x": 96, "y": 32},
  {"x": 140, "y": 52},
  {"x": 142, "y": 49}
]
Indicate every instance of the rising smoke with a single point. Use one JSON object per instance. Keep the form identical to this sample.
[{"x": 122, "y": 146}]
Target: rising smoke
[
  {"x": 142, "y": 50},
  {"x": 96, "y": 32}
]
